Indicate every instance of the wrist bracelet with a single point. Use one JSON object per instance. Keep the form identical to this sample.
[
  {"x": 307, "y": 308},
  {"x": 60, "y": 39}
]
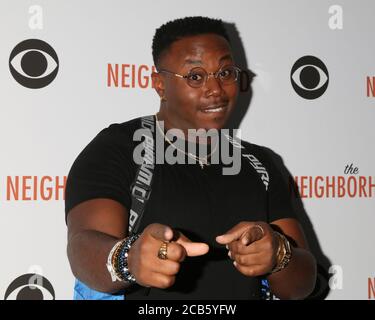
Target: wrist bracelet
[
  {"x": 284, "y": 253},
  {"x": 110, "y": 264},
  {"x": 117, "y": 262},
  {"x": 121, "y": 264}
]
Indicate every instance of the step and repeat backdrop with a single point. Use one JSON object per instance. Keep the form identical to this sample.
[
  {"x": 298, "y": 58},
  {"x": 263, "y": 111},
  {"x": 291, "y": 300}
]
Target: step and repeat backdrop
[{"x": 70, "y": 68}]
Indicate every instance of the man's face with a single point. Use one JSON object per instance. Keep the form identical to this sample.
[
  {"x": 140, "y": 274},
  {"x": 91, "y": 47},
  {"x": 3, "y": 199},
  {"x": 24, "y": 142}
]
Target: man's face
[{"x": 205, "y": 107}]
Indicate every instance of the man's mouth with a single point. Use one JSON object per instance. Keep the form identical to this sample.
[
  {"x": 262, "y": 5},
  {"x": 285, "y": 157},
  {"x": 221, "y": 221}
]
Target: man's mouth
[{"x": 214, "y": 109}]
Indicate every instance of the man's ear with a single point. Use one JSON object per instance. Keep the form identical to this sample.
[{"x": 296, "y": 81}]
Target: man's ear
[{"x": 158, "y": 84}]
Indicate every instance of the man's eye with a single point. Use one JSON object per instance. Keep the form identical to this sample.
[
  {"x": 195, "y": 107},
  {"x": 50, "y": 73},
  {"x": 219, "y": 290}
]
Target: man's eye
[
  {"x": 195, "y": 77},
  {"x": 225, "y": 73}
]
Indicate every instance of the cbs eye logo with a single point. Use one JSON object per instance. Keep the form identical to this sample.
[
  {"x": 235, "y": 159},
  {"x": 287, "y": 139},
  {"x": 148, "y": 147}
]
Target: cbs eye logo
[
  {"x": 309, "y": 77},
  {"x": 33, "y": 63},
  {"x": 30, "y": 286}
]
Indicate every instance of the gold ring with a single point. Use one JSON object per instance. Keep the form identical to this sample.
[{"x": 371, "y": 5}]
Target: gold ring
[{"x": 162, "y": 253}]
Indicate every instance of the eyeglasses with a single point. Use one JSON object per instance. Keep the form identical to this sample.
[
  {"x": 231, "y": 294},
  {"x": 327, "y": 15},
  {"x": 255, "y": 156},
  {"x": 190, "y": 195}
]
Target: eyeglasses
[{"x": 198, "y": 76}]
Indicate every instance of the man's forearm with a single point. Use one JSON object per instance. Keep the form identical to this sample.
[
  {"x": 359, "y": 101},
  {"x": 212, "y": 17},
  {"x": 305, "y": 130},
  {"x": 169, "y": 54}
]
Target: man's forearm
[
  {"x": 297, "y": 280},
  {"x": 87, "y": 252}
]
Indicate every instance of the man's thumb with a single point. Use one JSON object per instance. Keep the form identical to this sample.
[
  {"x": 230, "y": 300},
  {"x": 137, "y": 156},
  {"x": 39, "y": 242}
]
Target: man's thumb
[
  {"x": 255, "y": 233},
  {"x": 161, "y": 232},
  {"x": 233, "y": 234},
  {"x": 193, "y": 249}
]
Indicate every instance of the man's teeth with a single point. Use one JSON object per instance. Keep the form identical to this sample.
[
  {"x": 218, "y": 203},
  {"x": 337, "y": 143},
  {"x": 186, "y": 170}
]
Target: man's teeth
[{"x": 218, "y": 109}]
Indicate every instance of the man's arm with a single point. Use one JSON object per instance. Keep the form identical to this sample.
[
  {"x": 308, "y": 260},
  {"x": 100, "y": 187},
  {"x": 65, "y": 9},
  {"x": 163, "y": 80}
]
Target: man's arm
[
  {"x": 94, "y": 227},
  {"x": 297, "y": 280}
]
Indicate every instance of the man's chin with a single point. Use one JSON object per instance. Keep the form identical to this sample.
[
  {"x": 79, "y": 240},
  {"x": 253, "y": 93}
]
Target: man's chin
[
  {"x": 216, "y": 123},
  {"x": 212, "y": 120}
]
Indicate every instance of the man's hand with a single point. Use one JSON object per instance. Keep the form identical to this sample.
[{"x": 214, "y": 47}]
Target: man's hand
[
  {"x": 151, "y": 271},
  {"x": 252, "y": 246}
]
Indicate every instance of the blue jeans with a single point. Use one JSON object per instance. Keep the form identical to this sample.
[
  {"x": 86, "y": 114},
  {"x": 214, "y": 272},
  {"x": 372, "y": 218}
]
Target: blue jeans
[{"x": 83, "y": 292}]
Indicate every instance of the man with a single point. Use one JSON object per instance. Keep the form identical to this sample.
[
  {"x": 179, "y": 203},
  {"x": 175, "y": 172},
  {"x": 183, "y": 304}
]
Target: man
[{"x": 203, "y": 235}]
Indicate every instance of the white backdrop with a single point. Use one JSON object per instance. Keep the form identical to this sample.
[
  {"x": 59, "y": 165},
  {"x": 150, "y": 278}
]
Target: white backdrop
[{"x": 43, "y": 130}]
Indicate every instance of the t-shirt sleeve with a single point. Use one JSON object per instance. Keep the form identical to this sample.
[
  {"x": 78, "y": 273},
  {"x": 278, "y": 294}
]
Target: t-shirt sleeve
[
  {"x": 104, "y": 169},
  {"x": 280, "y": 191}
]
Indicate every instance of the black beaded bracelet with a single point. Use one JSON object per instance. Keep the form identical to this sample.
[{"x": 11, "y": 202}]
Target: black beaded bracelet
[{"x": 121, "y": 265}]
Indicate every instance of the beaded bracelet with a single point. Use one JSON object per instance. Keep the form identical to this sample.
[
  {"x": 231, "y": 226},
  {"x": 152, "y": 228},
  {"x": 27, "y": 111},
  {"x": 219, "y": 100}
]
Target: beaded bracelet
[
  {"x": 117, "y": 262},
  {"x": 110, "y": 262},
  {"x": 121, "y": 264}
]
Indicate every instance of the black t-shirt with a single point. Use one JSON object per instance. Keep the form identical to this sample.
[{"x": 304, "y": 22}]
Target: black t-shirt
[{"x": 201, "y": 203}]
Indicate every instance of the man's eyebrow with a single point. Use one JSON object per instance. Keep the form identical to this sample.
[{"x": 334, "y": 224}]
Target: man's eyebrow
[
  {"x": 194, "y": 61},
  {"x": 191, "y": 61},
  {"x": 226, "y": 57}
]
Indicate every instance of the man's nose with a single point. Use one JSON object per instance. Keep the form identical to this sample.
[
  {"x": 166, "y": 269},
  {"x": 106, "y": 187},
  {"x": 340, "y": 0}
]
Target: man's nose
[{"x": 213, "y": 85}]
